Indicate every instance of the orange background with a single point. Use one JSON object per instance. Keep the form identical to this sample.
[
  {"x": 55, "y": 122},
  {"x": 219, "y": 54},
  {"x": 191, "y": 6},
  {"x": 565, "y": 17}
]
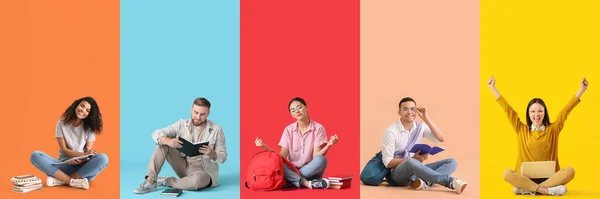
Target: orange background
[
  {"x": 428, "y": 51},
  {"x": 52, "y": 53}
]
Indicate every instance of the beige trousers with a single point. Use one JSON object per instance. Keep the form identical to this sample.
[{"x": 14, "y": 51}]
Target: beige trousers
[
  {"x": 562, "y": 177},
  {"x": 192, "y": 177}
]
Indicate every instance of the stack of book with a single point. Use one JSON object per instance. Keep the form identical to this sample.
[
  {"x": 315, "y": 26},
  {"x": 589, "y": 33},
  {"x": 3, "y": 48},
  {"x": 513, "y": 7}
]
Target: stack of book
[
  {"x": 172, "y": 192},
  {"x": 26, "y": 183},
  {"x": 340, "y": 182}
]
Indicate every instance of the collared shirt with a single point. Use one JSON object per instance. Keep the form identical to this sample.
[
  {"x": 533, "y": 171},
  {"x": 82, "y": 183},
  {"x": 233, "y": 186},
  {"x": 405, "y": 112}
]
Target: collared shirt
[
  {"x": 534, "y": 128},
  {"x": 300, "y": 146},
  {"x": 396, "y": 138},
  {"x": 213, "y": 133},
  {"x": 537, "y": 145}
]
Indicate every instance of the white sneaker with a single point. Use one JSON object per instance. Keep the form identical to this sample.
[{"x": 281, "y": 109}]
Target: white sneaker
[
  {"x": 418, "y": 184},
  {"x": 519, "y": 191},
  {"x": 458, "y": 185},
  {"x": 80, "y": 183},
  {"x": 50, "y": 181},
  {"x": 145, "y": 187},
  {"x": 557, "y": 190}
]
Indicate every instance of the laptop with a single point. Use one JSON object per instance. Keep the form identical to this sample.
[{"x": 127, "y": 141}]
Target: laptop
[{"x": 540, "y": 169}]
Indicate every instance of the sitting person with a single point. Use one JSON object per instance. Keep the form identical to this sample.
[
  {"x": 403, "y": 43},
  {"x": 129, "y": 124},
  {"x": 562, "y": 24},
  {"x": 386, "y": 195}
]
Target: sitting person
[
  {"x": 408, "y": 168},
  {"x": 302, "y": 143}
]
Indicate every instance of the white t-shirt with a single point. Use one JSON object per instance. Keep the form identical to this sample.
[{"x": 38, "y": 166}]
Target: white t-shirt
[
  {"x": 75, "y": 137},
  {"x": 396, "y": 137}
]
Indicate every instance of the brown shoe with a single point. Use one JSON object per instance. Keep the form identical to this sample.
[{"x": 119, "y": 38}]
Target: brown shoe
[{"x": 418, "y": 184}]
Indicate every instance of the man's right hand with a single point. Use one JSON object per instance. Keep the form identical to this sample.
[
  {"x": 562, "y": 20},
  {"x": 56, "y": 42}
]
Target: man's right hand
[
  {"x": 420, "y": 158},
  {"x": 172, "y": 142}
]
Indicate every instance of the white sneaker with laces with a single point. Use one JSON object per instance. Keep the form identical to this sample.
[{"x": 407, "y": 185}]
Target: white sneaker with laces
[
  {"x": 458, "y": 185},
  {"x": 145, "y": 187},
  {"x": 557, "y": 190},
  {"x": 50, "y": 181},
  {"x": 80, "y": 183},
  {"x": 519, "y": 191},
  {"x": 319, "y": 184}
]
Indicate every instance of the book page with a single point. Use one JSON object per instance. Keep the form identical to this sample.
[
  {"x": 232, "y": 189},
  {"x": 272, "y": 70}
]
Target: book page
[{"x": 75, "y": 158}]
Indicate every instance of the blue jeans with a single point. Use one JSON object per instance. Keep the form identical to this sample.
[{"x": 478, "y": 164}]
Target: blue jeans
[
  {"x": 436, "y": 172},
  {"x": 313, "y": 170},
  {"x": 89, "y": 169}
]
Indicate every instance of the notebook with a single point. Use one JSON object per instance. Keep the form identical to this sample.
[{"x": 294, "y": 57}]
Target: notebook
[
  {"x": 540, "y": 169},
  {"x": 25, "y": 180},
  {"x": 341, "y": 177},
  {"x": 191, "y": 149},
  {"x": 339, "y": 186},
  {"x": 27, "y": 189},
  {"x": 172, "y": 192},
  {"x": 75, "y": 158}
]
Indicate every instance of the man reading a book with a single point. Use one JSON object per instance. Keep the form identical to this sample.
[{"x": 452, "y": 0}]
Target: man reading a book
[
  {"x": 195, "y": 172},
  {"x": 408, "y": 168}
]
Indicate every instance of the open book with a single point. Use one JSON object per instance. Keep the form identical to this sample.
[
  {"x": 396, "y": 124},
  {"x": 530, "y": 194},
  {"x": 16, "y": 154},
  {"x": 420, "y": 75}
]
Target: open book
[
  {"x": 75, "y": 158},
  {"x": 425, "y": 149},
  {"x": 191, "y": 149}
]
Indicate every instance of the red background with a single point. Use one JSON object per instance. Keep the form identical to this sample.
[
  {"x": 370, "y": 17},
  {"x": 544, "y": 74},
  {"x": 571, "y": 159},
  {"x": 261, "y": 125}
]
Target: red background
[{"x": 308, "y": 49}]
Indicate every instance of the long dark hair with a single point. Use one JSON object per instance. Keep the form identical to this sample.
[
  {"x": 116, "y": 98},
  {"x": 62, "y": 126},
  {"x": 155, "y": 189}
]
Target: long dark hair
[
  {"x": 92, "y": 122},
  {"x": 546, "y": 120}
]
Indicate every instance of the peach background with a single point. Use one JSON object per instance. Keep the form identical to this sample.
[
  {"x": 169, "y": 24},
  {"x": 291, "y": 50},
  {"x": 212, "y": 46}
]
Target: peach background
[
  {"x": 429, "y": 51},
  {"x": 53, "y": 52}
]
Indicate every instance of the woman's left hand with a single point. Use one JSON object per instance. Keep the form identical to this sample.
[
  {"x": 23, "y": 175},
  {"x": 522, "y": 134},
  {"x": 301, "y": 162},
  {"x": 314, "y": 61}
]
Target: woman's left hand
[
  {"x": 91, "y": 152},
  {"x": 333, "y": 140},
  {"x": 584, "y": 83},
  {"x": 80, "y": 161}
]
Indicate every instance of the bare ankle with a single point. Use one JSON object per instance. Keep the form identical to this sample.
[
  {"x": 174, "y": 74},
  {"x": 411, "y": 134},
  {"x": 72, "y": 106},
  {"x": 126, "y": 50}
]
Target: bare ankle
[
  {"x": 150, "y": 180},
  {"x": 306, "y": 183},
  {"x": 542, "y": 190}
]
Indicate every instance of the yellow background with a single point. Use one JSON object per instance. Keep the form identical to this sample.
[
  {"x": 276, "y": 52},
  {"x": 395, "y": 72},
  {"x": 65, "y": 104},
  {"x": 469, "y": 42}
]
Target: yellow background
[{"x": 540, "y": 49}]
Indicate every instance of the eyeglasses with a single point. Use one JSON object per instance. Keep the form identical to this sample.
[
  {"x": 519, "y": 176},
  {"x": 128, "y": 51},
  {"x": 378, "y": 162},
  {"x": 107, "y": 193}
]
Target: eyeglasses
[
  {"x": 298, "y": 108},
  {"x": 406, "y": 109}
]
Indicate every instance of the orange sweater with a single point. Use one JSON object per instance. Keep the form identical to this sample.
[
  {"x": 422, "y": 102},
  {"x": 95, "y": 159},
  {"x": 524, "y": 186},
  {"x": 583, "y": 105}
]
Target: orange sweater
[{"x": 537, "y": 145}]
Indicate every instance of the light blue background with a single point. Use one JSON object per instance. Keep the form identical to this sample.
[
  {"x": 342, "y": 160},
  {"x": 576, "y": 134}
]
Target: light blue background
[{"x": 171, "y": 53}]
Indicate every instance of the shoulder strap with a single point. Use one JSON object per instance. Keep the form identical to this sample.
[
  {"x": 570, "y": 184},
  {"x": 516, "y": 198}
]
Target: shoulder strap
[
  {"x": 412, "y": 140},
  {"x": 289, "y": 164}
]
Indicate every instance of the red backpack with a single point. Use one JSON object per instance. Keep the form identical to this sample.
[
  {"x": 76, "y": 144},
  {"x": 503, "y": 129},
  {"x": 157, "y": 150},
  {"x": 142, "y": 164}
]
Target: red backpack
[{"x": 266, "y": 171}]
